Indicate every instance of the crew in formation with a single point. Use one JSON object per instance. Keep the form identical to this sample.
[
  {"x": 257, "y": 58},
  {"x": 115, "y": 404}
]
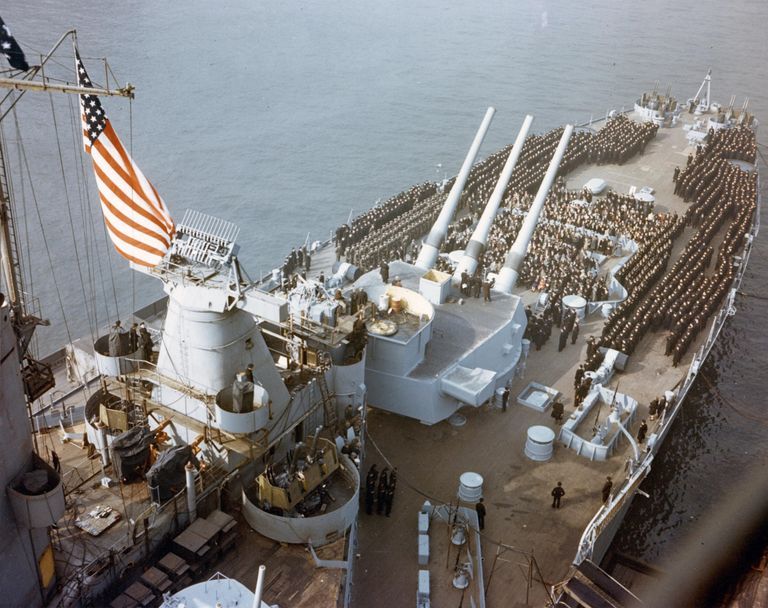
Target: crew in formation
[
  {"x": 575, "y": 234},
  {"x": 391, "y": 230},
  {"x": 724, "y": 199},
  {"x": 386, "y": 232},
  {"x": 380, "y": 489}
]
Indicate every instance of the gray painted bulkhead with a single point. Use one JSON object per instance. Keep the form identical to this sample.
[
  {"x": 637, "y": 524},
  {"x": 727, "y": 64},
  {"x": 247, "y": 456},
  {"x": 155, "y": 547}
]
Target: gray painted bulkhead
[
  {"x": 421, "y": 397},
  {"x": 22, "y": 548}
]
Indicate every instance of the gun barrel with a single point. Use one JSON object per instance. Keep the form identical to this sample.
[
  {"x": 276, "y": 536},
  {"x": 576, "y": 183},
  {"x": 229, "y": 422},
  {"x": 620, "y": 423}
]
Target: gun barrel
[
  {"x": 514, "y": 260},
  {"x": 479, "y": 239},
  {"x": 431, "y": 247}
]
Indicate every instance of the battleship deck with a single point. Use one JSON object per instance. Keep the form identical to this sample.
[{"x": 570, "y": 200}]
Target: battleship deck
[
  {"x": 516, "y": 489},
  {"x": 430, "y": 459},
  {"x": 292, "y": 576}
]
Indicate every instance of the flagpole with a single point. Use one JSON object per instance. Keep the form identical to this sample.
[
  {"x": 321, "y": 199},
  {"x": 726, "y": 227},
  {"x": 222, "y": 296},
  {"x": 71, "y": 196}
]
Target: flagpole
[
  {"x": 19, "y": 84},
  {"x": 28, "y": 85}
]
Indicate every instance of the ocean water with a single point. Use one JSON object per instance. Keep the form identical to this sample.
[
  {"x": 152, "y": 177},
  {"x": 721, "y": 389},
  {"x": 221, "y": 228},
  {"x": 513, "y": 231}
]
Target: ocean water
[{"x": 285, "y": 117}]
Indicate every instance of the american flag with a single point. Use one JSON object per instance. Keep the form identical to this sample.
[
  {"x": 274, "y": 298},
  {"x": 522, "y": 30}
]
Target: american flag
[
  {"x": 11, "y": 49},
  {"x": 136, "y": 217}
]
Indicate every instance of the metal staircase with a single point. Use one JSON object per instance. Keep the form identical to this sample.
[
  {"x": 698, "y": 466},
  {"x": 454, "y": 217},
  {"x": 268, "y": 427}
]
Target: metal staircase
[
  {"x": 330, "y": 418},
  {"x": 7, "y": 223}
]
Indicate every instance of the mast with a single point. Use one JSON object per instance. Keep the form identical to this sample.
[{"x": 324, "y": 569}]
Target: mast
[
  {"x": 23, "y": 321},
  {"x": 8, "y": 243}
]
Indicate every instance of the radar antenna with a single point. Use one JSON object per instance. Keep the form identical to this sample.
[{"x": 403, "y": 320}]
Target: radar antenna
[{"x": 205, "y": 239}]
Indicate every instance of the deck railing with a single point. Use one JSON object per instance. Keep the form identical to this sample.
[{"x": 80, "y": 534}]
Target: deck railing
[{"x": 605, "y": 515}]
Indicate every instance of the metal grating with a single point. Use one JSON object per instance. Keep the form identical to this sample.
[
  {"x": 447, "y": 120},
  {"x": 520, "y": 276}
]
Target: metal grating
[{"x": 205, "y": 239}]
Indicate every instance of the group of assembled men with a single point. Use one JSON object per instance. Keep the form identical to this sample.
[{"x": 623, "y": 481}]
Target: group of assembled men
[
  {"x": 380, "y": 489},
  {"x": 139, "y": 339},
  {"x": 539, "y": 327},
  {"x": 388, "y": 230},
  {"x": 297, "y": 260},
  {"x": 682, "y": 299},
  {"x": 475, "y": 284}
]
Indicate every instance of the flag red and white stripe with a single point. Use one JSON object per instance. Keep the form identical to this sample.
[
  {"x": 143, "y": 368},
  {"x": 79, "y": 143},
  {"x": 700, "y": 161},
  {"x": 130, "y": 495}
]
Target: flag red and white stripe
[{"x": 135, "y": 215}]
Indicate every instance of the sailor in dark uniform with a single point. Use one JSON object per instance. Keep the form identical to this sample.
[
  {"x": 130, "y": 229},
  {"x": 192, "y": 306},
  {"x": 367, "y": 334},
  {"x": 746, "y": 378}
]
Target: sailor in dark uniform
[
  {"x": 390, "y": 496},
  {"x": 145, "y": 343},
  {"x": 557, "y": 411},
  {"x": 641, "y": 432},
  {"x": 370, "y": 488},
  {"x": 557, "y": 494},
  {"x": 133, "y": 338},
  {"x": 381, "y": 493},
  {"x": 579, "y": 376},
  {"x": 476, "y": 286},
  {"x": 591, "y": 346},
  {"x": 480, "y": 509},
  {"x": 607, "y": 488},
  {"x": 465, "y": 283},
  {"x": 487, "y": 285}
]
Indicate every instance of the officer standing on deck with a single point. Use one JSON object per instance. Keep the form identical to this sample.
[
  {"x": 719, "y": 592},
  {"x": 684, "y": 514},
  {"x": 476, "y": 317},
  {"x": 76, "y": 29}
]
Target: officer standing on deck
[
  {"x": 607, "y": 488},
  {"x": 382, "y": 491},
  {"x": 557, "y": 411},
  {"x": 579, "y": 376},
  {"x": 391, "y": 486},
  {"x": 487, "y": 285},
  {"x": 641, "y": 432},
  {"x": 480, "y": 508},
  {"x": 557, "y": 493},
  {"x": 133, "y": 338},
  {"x": 115, "y": 340},
  {"x": 145, "y": 343},
  {"x": 370, "y": 488},
  {"x": 504, "y": 399}
]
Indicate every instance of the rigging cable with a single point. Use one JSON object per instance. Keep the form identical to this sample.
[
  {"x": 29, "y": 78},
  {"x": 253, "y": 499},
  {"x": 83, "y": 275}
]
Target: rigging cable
[
  {"x": 85, "y": 202},
  {"x": 107, "y": 240},
  {"x": 130, "y": 151},
  {"x": 76, "y": 139},
  {"x": 28, "y": 262},
  {"x": 40, "y": 220},
  {"x": 69, "y": 214}
]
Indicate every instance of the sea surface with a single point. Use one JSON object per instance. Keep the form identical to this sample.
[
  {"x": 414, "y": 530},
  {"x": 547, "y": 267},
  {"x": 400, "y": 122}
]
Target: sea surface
[{"x": 287, "y": 117}]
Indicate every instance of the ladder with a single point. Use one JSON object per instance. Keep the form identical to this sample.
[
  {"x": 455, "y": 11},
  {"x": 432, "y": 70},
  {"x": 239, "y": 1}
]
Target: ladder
[
  {"x": 329, "y": 403},
  {"x": 13, "y": 276}
]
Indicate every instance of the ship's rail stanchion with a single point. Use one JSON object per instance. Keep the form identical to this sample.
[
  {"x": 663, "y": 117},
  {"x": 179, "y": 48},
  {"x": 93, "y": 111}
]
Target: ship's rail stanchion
[{"x": 147, "y": 370}]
